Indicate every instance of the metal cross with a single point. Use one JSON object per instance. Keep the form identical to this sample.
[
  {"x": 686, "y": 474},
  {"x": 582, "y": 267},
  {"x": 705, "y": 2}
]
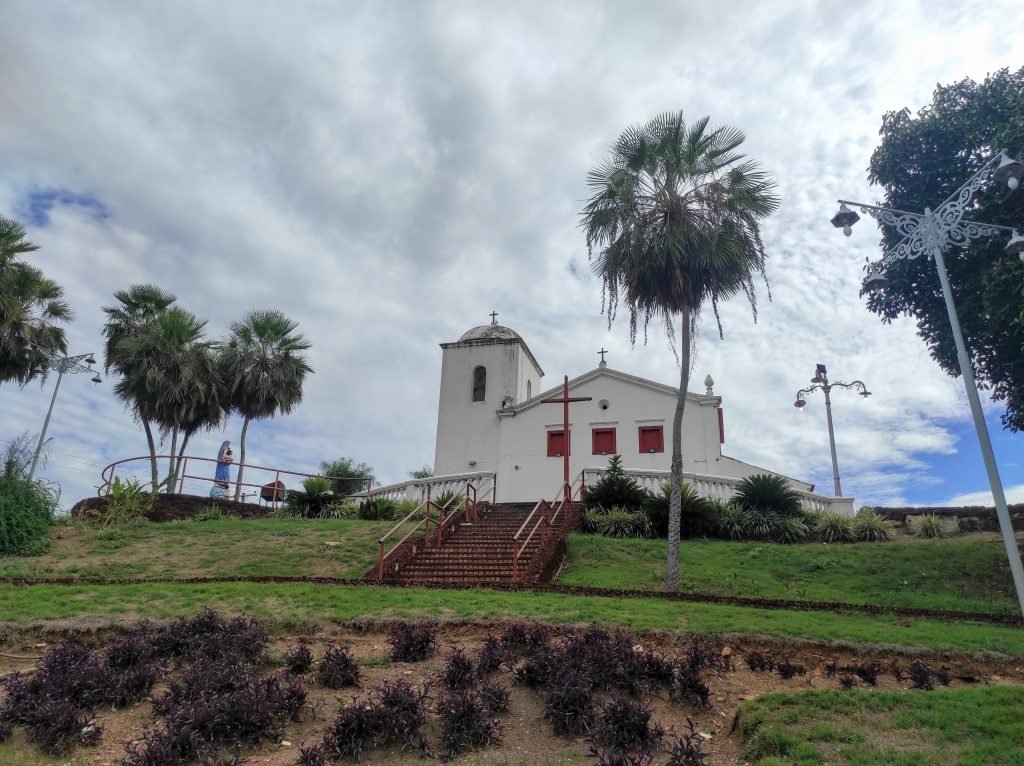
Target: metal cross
[
  {"x": 565, "y": 400},
  {"x": 494, "y": 317},
  {"x": 602, "y": 352}
]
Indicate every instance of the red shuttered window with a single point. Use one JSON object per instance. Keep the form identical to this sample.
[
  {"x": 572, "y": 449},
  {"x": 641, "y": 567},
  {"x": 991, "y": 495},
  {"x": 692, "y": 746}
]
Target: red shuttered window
[
  {"x": 556, "y": 443},
  {"x": 652, "y": 439},
  {"x": 603, "y": 441}
]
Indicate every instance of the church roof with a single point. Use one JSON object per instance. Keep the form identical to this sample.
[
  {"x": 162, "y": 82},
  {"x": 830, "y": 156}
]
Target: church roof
[{"x": 490, "y": 332}]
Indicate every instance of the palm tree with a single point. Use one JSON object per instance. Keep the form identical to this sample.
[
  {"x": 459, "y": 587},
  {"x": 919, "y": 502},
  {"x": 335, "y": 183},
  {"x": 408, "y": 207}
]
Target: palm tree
[
  {"x": 674, "y": 219},
  {"x": 138, "y": 306},
  {"x": 177, "y": 372},
  {"x": 29, "y": 305},
  {"x": 264, "y": 368}
]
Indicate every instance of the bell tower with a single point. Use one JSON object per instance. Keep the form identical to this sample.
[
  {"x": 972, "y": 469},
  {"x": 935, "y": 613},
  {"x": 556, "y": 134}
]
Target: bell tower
[{"x": 490, "y": 368}]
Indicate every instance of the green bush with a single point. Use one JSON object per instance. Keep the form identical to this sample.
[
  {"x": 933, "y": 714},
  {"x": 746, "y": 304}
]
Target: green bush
[
  {"x": 832, "y": 527},
  {"x": 733, "y": 522},
  {"x": 210, "y": 512},
  {"x": 126, "y": 502},
  {"x": 765, "y": 492},
  {"x": 379, "y": 509},
  {"x": 449, "y": 501},
  {"x": 26, "y": 513},
  {"x": 792, "y": 529},
  {"x": 870, "y": 527},
  {"x": 617, "y": 522},
  {"x": 698, "y": 516},
  {"x": 931, "y": 526},
  {"x": 617, "y": 488},
  {"x": 313, "y": 501}
]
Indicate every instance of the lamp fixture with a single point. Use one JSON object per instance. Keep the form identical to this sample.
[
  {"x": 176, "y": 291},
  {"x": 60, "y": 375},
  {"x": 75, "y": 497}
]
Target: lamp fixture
[
  {"x": 1009, "y": 171},
  {"x": 845, "y": 219},
  {"x": 876, "y": 281},
  {"x": 91, "y": 360},
  {"x": 96, "y": 378},
  {"x": 1016, "y": 244}
]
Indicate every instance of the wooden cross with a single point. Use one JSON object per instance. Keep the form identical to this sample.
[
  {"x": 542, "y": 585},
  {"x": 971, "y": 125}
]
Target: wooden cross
[
  {"x": 494, "y": 317},
  {"x": 602, "y": 352},
  {"x": 564, "y": 400}
]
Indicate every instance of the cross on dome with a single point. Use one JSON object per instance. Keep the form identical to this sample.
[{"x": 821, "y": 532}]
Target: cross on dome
[{"x": 494, "y": 317}]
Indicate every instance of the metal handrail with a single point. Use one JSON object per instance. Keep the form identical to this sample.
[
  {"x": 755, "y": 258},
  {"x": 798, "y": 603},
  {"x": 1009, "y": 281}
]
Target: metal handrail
[
  {"x": 550, "y": 522},
  {"x": 183, "y": 462},
  {"x": 381, "y": 541}
]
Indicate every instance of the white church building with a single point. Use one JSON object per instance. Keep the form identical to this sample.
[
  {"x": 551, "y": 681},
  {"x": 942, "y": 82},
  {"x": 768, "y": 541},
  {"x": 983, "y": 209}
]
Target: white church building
[{"x": 492, "y": 420}]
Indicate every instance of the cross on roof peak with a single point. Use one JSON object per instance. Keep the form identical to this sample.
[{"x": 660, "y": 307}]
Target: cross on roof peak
[
  {"x": 494, "y": 317},
  {"x": 602, "y": 352}
]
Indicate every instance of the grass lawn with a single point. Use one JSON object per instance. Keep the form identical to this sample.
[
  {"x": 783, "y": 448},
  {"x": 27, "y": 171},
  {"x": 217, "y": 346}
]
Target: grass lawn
[
  {"x": 966, "y": 574},
  {"x": 965, "y": 726},
  {"x": 303, "y": 603},
  {"x": 220, "y": 548}
]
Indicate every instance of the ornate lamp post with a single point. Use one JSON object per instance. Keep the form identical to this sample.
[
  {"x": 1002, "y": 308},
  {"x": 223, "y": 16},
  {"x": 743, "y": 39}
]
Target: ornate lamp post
[
  {"x": 929, "y": 234},
  {"x": 62, "y": 364},
  {"x": 820, "y": 381}
]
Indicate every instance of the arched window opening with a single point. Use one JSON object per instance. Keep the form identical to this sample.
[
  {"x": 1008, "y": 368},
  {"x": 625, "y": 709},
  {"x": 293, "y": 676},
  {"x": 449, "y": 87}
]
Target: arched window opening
[
  {"x": 529, "y": 389},
  {"x": 479, "y": 384}
]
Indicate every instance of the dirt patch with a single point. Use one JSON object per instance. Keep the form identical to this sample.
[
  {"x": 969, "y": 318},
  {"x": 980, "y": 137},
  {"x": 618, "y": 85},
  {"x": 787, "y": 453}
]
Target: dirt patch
[{"x": 527, "y": 738}]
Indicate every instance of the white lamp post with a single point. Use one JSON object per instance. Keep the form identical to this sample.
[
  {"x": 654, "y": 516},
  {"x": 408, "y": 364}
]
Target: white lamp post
[
  {"x": 62, "y": 364},
  {"x": 820, "y": 381},
  {"x": 929, "y": 234}
]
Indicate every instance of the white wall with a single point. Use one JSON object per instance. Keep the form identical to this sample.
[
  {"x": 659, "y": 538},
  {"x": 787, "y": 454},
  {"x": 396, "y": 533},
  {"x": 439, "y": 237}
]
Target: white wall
[{"x": 523, "y": 440}]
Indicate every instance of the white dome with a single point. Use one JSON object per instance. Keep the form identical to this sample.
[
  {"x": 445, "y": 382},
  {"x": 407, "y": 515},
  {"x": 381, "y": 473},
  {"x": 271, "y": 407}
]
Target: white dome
[{"x": 490, "y": 332}]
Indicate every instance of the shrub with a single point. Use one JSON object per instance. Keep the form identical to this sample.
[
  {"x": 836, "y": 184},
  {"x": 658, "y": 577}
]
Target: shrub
[
  {"x": 412, "y": 642},
  {"x": 494, "y": 698},
  {"x": 338, "y": 668},
  {"x": 625, "y": 726},
  {"x": 870, "y": 527},
  {"x": 766, "y": 492},
  {"x": 688, "y": 688},
  {"x": 921, "y": 676},
  {"x": 26, "y": 512},
  {"x": 618, "y": 522},
  {"x": 760, "y": 662},
  {"x": 787, "y": 670},
  {"x": 127, "y": 501},
  {"x": 458, "y": 672},
  {"x": 450, "y": 501},
  {"x": 569, "y": 704},
  {"x": 490, "y": 656},
  {"x": 931, "y": 526},
  {"x": 868, "y": 672},
  {"x": 688, "y": 749},
  {"x": 791, "y": 529},
  {"x": 616, "y": 488},
  {"x": 613, "y": 758},
  {"x": 762, "y": 525},
  {"x": 356, "y": 728},
  {"x": 298, "y": 659},
  {"x": 520, "y": 637},
  {"x": 403, "y": 708},
  {"x": 379, "y": 509},
  {"x": 210, "y": 512},
  {"x": 312, "y": 755},
  {"x": 733, "y": 522},
  {"x": 832, "y": 527},
  {"x": 698, "y": 516},
  {"x": 466, "y": 724},
  {"x": 313, "y": 501},
  {"x": 847, "y": 682}
]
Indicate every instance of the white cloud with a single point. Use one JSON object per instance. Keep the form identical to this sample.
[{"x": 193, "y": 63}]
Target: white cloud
[
  {"x": 1014, "y": 494},
  {"x": 389, "y": 173}
]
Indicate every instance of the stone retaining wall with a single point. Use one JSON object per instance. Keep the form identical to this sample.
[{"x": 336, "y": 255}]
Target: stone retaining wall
[{"x": 967, "y": 518}]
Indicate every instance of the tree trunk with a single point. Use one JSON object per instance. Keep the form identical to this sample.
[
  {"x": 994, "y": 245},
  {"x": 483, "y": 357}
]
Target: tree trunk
[
  {"x": 152, "y": 454},
  {"x": 241, "y": 459},
  {"x": 676, "y": 479},
  {"x": 171, "y": 468},
  {"x": 181, "y": 453}
]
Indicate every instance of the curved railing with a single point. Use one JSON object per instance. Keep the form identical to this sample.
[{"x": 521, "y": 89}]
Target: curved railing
[{"x": 206, "y": 480}]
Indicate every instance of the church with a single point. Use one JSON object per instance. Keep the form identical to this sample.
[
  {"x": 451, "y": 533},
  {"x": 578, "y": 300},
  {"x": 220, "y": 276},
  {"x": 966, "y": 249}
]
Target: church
[{"x": 491, "y": 418}]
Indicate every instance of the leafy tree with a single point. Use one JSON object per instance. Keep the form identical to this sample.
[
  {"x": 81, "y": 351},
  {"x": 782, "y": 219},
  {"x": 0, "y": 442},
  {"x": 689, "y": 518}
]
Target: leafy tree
[
  {"x": 767, "y": 493},
  {"x": 424, "y": 472},
  {"x": 30, "y": 304},
  {"x": 136, "y": 308},
  {"x": 921, "y": 161},
  {"x": 347, "y": 476},
  {"x": 264, "y": 369},
  {"x": 675, "y": 219}
]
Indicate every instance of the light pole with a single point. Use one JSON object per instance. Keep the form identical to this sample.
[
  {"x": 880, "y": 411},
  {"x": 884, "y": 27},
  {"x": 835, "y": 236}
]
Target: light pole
[
  {"x": 929, "y": 234},
  {"x": 820, "y": 381},
  {"x": 62, "y": 364}
]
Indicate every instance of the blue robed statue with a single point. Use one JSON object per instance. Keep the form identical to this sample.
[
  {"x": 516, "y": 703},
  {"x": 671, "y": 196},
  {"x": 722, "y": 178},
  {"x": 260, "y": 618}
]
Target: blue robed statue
[{"x": 223, "y": 474}]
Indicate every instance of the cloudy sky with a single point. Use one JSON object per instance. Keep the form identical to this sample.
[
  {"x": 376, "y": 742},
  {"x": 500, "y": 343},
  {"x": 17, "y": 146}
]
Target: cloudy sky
[{"x": 389, "y": 172}]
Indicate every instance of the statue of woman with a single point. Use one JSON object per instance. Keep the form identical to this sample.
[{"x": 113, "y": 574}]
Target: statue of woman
[{"x": 225, "y": 457}]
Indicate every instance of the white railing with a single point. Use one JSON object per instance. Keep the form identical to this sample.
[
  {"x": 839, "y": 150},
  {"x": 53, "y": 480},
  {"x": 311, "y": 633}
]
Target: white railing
[
  {"x": 720, "y": 488},
  {"x": 416, "y": 489}
]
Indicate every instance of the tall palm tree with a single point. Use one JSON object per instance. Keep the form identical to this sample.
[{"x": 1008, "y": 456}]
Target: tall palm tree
[
  {"x": 174, "y": 371},
  {"x": 30, "y": 304},
  {"x": 265, "y": 369},
  {"x": 674, "y": 218},
  {"x": 137, "y": 306}
]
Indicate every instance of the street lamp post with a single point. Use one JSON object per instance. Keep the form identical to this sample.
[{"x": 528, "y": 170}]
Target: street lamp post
[
  {"x": 820, "y": 381},
  {"x": 929, "y": 234},
  {"x": 62, "y": 364}
]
